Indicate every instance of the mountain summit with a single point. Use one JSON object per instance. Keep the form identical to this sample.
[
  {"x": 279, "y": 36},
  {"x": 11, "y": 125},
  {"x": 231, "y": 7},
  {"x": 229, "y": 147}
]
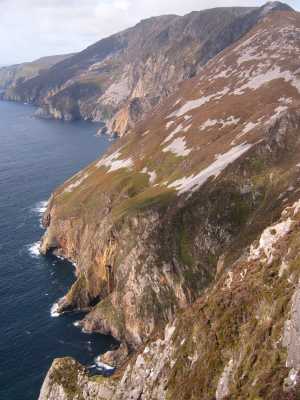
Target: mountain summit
[{"x": 276, "y": 6}]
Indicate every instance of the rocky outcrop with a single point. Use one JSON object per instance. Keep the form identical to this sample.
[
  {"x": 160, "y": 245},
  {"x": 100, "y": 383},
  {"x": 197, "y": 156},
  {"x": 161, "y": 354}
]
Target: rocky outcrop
[
  {"x": 119, "y": 79},
  {"x": 117, "y": 357},
  {"x": 68, "y": 380},
  {"x": 291, "y": 341}
]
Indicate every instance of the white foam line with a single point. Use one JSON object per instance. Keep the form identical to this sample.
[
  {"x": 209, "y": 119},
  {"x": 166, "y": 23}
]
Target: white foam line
[
  {"x": 54, "y": 311},
  {"x": 40, "y": 207},
  {"x": 34, "y": 249}
]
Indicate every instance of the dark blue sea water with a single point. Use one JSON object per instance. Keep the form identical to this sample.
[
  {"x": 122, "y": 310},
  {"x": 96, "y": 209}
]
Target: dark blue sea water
[{"x": 35, "y": 157}]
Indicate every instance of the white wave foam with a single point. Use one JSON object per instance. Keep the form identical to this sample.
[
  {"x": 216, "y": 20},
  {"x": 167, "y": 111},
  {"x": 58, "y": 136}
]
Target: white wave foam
[
  {"x": 54, "y": 311},
  {"x": 76, "y": 323},
  {"x": 62, "y": 258},
  {"x": 40, "y": 207},
  {"x": 101, "y": 366},
  {"x": 34, "y": 249}
]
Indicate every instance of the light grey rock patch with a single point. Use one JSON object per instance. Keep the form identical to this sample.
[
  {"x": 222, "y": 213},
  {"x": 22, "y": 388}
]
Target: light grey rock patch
[
  {"x": 291, "y": 340},
  {"x": 224, "y": 381}
]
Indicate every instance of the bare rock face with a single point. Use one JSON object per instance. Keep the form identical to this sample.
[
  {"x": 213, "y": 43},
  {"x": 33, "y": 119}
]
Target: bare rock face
[
  {"x": 120, "y": 78},
  {"x": 292, "y": 342},
  {"x": 116, "y": 358},
  {"x": 128, "y": 116}
]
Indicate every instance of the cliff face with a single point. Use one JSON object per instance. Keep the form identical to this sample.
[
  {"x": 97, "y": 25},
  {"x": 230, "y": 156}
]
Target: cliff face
[
  {"x": 185, "y": 235},
  {"x": 238, "y": 341},
  {"x": 146, "y": 224},
  {"x": 120, "y": 78}
]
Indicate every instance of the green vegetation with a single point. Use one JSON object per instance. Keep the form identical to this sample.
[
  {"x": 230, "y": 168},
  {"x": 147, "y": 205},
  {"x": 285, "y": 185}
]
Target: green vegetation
[
  {"x": 257, "y": 165},
  {"x": 111, "y": 315},
  {"x": 241, "y": 210},
  {"x": 65, "y": 373},
  {"x": 185, "y": 246}
]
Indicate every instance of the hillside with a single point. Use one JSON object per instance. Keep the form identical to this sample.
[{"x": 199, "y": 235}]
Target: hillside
[
  {"x": 121, "y": 78},
  {"x": 185, "y": 236},
  {"x": 14, "y": 75}
]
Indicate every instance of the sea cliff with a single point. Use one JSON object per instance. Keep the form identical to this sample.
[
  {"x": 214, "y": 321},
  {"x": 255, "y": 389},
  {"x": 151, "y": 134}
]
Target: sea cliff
[{"x": 185, "y": 235}]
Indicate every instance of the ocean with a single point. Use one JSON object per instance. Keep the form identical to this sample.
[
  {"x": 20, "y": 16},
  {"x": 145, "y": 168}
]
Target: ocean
[{"x": 35, "y": 157}]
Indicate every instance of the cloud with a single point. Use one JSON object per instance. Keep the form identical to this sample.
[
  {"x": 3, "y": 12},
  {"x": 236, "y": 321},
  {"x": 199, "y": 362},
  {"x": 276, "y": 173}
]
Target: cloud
[{"x": 33, "y": 28}]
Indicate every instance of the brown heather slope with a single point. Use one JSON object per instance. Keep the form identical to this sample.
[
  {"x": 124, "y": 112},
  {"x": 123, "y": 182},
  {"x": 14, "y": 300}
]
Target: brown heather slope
[
  {"x": 160, "y": 230},
  {"x": 120, "y": 78}
]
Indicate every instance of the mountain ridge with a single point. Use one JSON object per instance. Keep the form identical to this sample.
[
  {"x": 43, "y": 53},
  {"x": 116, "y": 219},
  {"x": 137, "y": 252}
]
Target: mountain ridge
[
  {"x": 120, "y": 78},
  {"x": 11, "y": 75}
]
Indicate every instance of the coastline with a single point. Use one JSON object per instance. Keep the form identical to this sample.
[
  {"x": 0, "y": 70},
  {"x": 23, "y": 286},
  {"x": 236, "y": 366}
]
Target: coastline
[{"x": 30, "y": 170}]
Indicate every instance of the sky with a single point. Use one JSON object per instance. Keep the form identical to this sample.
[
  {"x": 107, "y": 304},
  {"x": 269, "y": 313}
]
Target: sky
[{"x": 30, "y": 29}]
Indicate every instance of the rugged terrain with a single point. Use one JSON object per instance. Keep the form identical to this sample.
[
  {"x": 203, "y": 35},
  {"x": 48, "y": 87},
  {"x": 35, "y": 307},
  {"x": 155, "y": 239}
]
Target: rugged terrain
[
  {"x": 185, "y": 236},
  {"x": 121, "y": 78},
  {"x": 238, "y": 341},
  {"x": 15, "y": 75}
]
